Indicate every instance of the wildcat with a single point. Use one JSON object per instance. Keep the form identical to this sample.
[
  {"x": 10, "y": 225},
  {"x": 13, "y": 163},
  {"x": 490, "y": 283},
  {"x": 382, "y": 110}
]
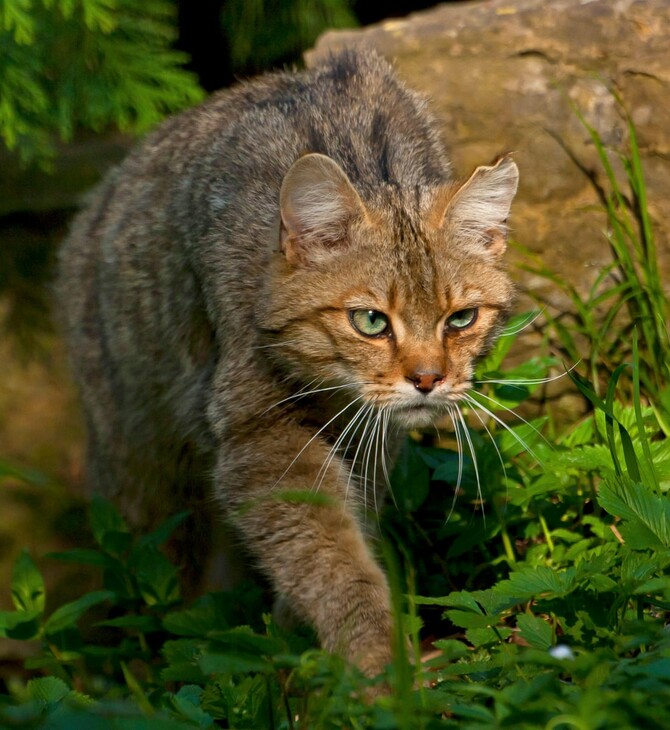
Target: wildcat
[{"x": 259, "y": 301}]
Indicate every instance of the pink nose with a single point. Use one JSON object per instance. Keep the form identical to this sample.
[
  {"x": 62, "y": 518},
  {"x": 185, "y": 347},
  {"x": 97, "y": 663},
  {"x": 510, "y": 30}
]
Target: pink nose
[{"x": 423, "y": 381}]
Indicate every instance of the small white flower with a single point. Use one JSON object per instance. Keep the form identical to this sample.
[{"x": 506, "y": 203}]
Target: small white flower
[{"x": 561, "y": 651}]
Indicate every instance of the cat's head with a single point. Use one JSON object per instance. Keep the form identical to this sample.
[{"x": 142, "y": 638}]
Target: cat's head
[{"x": 393, "y": 292}]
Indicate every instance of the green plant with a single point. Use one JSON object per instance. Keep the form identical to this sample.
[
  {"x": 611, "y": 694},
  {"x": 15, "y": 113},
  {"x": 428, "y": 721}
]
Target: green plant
[
  {"x": 177, "y": 665},
  {"x": 67, "y": 64},
  {"x": 262, "y": 33},
  {"x": 546, "y": 583},
  {"x": 627, "y": 295},
  {"x": 535, "y": 565}
]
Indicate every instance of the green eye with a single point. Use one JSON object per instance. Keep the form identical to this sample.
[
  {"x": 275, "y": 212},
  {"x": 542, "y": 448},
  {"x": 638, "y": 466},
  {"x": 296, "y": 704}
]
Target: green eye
[
  {"x": 462, "y": 319},
  {"x": 369, "y": 322}
]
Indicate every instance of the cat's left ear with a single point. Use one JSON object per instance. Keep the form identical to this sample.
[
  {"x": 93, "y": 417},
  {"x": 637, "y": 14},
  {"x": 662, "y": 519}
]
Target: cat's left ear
[
  {"x": 318, "y": 204},
  {"x": 479, "y": 208}
]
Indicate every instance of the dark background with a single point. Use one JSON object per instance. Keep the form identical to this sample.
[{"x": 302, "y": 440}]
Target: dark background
[{"x": 202, "y": 36}]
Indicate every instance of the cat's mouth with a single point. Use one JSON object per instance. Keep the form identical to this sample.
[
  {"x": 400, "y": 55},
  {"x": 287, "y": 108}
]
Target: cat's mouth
[
  {"x": 413, "y": 410},
  {"x": 418, "y": 415},
  {"x": 426, "y": 411}
]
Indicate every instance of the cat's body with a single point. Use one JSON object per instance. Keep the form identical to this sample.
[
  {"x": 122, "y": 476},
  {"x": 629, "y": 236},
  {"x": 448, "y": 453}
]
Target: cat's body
[{"x": 295, "y": 234}]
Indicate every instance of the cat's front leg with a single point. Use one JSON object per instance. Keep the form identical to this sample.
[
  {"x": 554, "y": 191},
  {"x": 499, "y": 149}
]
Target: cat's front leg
[{"x": 309, "y": 542}]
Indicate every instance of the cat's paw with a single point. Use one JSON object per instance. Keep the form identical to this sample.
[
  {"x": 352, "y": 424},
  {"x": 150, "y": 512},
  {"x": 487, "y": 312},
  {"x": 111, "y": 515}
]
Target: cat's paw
[{"x": 374, "y": 660}]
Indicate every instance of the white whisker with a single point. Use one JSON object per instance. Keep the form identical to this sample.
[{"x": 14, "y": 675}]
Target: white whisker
[
  {"x": 495, "y": 445},
  {"x": 530, "y": 381},
  {"x": 361, "y": 440},
  {"x": 361, "y": 416},
  {"x": 532, "y": 316},
  {"x": 459, "y": 448},
  {"x": 387, "y": 418},
  {"x": 466, "y": 433},
  {"x": 366, "y": 462},
  {"x": 376, "y": 458},
  {"x": 304, "y": 393},
  {"x": 323, "y": 428},
  {"x": 499, "y": 420},
  {"x": 285, "y": 343},
  {"x": 353, "y": 424}
]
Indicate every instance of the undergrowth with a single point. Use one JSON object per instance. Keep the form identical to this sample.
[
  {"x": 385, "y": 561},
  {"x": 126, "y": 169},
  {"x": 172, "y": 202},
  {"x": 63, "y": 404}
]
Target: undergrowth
[{"x": 532, "y": 580}]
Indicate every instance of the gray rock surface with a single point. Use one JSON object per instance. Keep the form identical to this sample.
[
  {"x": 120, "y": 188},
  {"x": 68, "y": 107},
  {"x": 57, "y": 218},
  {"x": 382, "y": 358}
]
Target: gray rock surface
[{"x": 503, "y": 75}]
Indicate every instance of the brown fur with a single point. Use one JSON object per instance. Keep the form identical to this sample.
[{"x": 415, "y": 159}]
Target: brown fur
[{"x": 208, "y": 289}]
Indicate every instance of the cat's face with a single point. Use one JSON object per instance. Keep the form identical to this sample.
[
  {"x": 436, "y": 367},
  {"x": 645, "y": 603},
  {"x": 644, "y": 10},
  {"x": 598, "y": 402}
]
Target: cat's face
[{"x": 397, "y": 302}]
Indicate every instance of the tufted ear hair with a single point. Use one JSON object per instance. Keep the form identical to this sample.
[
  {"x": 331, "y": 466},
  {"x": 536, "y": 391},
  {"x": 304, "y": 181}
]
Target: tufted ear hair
[
  {"x": 317, "y": 203},
  {"x": 479, "y": 208}
]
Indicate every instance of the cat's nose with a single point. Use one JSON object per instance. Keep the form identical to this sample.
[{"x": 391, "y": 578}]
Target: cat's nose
[{"x": 423, "y": 381}]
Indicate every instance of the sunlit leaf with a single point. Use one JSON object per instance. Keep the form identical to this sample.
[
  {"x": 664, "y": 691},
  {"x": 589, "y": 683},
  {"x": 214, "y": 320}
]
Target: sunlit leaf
[{"x": 27, "y": 584}]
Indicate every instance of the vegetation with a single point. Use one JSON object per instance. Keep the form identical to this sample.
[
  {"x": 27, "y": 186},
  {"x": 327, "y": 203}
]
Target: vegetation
[
  {"x": 559, "y": 553},
  {"x": 67, "y": 64},
  {"x": 263, "y": 33},
  {"x": 529, "y": 564},
  {"x": 628, "y": 294},
  {"x": 530, "y": 571}
]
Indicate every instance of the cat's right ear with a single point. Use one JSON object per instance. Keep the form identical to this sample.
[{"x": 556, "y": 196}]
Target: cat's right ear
[
  {"x": 478, "y": 209},
  {"x": 317, "y": 203}
]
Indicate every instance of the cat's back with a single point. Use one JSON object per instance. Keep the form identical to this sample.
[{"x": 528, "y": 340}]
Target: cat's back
[{"x": 239, "y": 144}]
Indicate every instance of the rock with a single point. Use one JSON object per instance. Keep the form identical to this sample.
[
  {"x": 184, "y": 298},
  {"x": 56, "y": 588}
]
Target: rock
[{"x": 504, "y": 74}]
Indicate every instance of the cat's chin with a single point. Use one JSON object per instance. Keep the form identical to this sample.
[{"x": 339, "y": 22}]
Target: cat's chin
[{"x": 417, "y": 416}]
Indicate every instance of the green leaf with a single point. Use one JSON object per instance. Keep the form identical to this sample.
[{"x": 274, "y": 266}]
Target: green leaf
[
  {"x": 213, "y": 662},
  {"x": 638, "y": 568},
  {"x": 494, "y": 359},
  {"x": 481, "y": 715},
  {"x": 188, "y": 703},
  {"x": 654, "y": 586},
  {"x": 47, "y": 690},
  {"x": 514, "y": 440},
  {"x": 528, "y": 582},
  {"x": 602, "y": 583},
  {"x": 637, "y": 536},
  {"x": 30, "y": 476},
  {"x": 157, "y": 577},
  {"x": 96, "y": 64},
  {"x": 607, "y": 408},
  {"x": 486, "y": 637},
  {"x": 20, "y": 625},
  {"x": 145, "y": 624},
  {"x": 137, "y": 690},
  {"x": 303, "y": 496},
  {"x": 637, "y": 504},
  {"x": 451, "y": 466},
  {"x": 410, "y": 478},
  {"x": 86, "y": 556},
  {"x": 67, "y": 615},
  {"x": 109, "y": 529},
  {"x": 534, "y": 630},
  {"x": 240, "y": 650},
  {"x": 243, "y": 639},
  {"x": 197, "y": 620},
  {"x": 469, "y": 620},
  {"x": 451, "y": 649},
  {"x": 27, "y": 584},
  {"x": 647, "y": 463},
  {"x": 164, "y": 531},
  {"x": 456, "y": 599},
  {"x": 182, "y": 656},
  {"x": 16, "y": 18}
]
